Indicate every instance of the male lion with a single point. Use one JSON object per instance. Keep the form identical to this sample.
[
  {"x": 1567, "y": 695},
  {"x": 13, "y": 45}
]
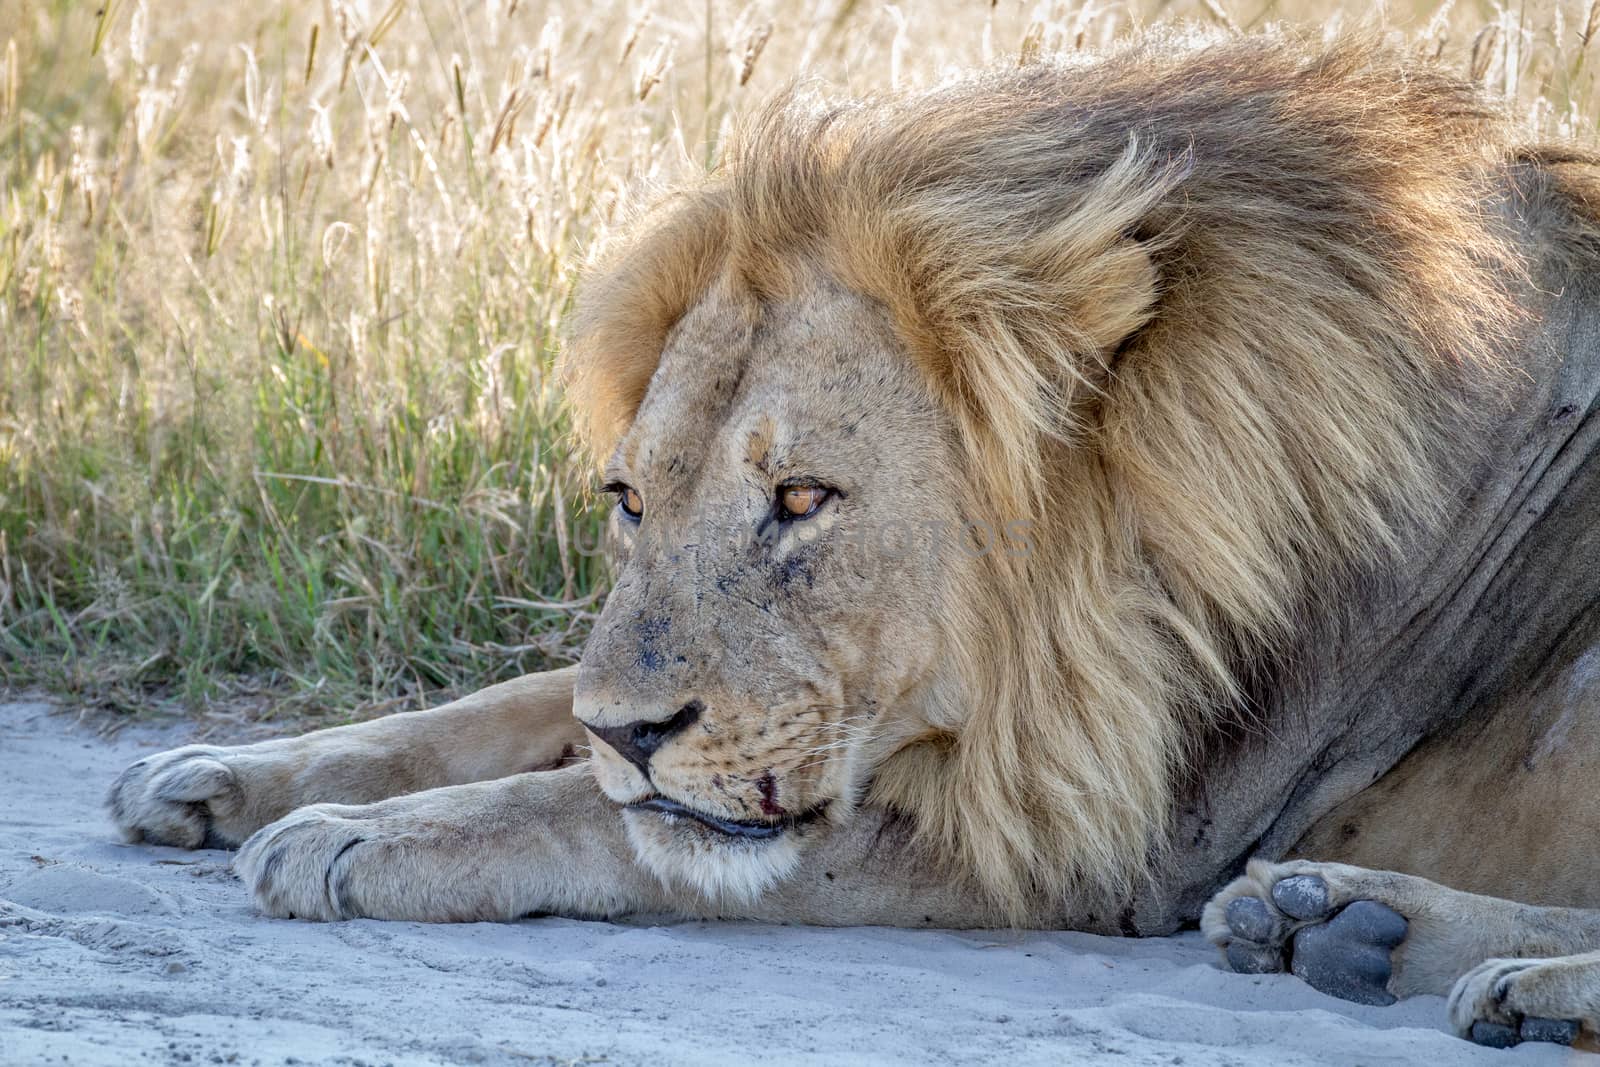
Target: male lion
[{"x": 1246, "y": 392}]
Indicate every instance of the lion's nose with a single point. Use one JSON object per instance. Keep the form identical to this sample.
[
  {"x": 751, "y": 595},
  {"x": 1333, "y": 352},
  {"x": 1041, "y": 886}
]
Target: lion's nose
[{"x": 637, "y": 741}]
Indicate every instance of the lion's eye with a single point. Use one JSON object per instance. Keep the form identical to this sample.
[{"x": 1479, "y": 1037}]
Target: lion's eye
[
  {"x": 628, "y": 499},
  {"x": 801, "y": 501}
]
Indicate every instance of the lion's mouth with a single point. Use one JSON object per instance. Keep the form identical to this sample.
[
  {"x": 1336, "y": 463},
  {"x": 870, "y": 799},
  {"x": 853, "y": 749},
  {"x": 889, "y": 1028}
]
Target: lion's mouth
[{"x": 748, "y": 829}]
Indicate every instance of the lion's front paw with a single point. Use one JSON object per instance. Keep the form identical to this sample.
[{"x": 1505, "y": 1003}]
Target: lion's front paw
[
  {"x": 305, "y": 865},
  {"x": 421, "y": 858},
  {"x": 1504, "y": 1002},
  {"x": 1289, "y": 917},
  {"x": 189, "y": 798}
]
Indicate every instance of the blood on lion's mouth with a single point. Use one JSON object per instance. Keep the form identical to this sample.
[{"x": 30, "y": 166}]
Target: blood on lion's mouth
[{"x": 748, "y": 829}]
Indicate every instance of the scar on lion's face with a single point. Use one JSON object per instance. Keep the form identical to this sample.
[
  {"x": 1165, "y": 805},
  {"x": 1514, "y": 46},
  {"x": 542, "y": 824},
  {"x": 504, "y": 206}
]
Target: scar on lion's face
[{"x": 750, "y": 538}]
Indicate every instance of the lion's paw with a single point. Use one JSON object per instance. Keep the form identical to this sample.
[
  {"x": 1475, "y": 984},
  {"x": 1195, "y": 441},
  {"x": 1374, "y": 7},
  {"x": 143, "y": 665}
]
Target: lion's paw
[
  {"x": 188, "y": 798},
  {"x": 1499, "y": 1004},
  {"x": 303, "y": 866},
  {"x": 416, "y": 858},
  {"x": 1291, "y": 917}
]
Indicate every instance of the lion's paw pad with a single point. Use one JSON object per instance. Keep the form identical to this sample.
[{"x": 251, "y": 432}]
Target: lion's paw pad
[
  {"x": 1246, "y": 958},
  {"x": 1296, "y": 926},
  {"x": 1302, "y": 896},
  {"x": 1251, "y": 919},
  {"x": 1499, "y": 1035},
  {"x": 1555, "y": 1031},
  {"x": 1348, "y": 956}
]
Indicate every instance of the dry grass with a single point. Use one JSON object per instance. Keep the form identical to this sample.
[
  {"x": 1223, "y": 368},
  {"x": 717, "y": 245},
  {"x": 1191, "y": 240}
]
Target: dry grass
[{"x": 280, "y": 286}]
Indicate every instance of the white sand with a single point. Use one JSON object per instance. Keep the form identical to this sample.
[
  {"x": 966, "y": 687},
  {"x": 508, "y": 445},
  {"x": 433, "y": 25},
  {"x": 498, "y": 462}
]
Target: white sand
[{"x": 112, "y": 954}]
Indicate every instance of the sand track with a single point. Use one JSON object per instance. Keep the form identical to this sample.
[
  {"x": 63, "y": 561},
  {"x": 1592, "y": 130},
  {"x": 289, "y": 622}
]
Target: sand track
[{"x": 115, "y": 954}]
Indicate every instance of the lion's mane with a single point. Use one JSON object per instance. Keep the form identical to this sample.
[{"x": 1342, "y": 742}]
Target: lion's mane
[{"x": 1221, "y": 318}]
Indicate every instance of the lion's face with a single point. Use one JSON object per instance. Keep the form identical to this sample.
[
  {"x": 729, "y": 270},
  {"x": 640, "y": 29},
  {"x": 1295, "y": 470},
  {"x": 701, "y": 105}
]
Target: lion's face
[{"x": 780, "y": 576}]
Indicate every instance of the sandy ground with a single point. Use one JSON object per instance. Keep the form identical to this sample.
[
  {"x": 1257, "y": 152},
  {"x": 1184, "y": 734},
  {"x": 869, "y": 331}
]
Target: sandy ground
[{"x": 111, "y": 953}]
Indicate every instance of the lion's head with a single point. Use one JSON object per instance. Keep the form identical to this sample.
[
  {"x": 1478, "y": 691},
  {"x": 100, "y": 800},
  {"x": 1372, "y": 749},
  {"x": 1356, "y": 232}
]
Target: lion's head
[{"x": 967, "y": 445}]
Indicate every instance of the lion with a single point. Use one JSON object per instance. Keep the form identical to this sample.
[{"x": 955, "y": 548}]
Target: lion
[{"x": 1034, "y": 498}]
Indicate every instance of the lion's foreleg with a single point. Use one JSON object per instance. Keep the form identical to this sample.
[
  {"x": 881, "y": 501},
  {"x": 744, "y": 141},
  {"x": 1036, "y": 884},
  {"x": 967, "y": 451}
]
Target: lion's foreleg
[
  {"x": 536, "y": 843},
  {"x": 489, "y": 851},
  {"x": 216, "y": 796}
]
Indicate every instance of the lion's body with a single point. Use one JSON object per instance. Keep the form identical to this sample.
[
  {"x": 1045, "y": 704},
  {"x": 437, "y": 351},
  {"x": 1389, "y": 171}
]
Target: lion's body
[
  {"x": 1497, "y": 804},
  {"x": 1272, "y": 372}
]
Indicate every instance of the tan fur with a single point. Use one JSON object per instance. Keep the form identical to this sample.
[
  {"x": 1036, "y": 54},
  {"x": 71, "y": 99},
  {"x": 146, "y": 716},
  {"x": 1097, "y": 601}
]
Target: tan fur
[
  {"x": 1519, "y": 767},
  {"x": 211, "y": 796},
  {"x": 1213, "y": 400}
]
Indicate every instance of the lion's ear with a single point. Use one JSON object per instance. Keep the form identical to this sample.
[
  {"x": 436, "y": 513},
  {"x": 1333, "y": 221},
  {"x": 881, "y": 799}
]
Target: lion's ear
[
  {"x": 1015, "y": 309},
  {"x": 628, "y": 302},
  {"x": 1106, "y": 296}
]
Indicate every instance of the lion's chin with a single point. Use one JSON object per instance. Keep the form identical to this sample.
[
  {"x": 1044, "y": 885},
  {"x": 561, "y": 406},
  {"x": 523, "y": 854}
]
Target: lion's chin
[{"x": 734, "y": 862}]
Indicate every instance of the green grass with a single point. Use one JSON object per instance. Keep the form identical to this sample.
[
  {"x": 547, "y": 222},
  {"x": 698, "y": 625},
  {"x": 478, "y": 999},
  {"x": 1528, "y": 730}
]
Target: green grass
[{"x": 216, "y": 483}]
